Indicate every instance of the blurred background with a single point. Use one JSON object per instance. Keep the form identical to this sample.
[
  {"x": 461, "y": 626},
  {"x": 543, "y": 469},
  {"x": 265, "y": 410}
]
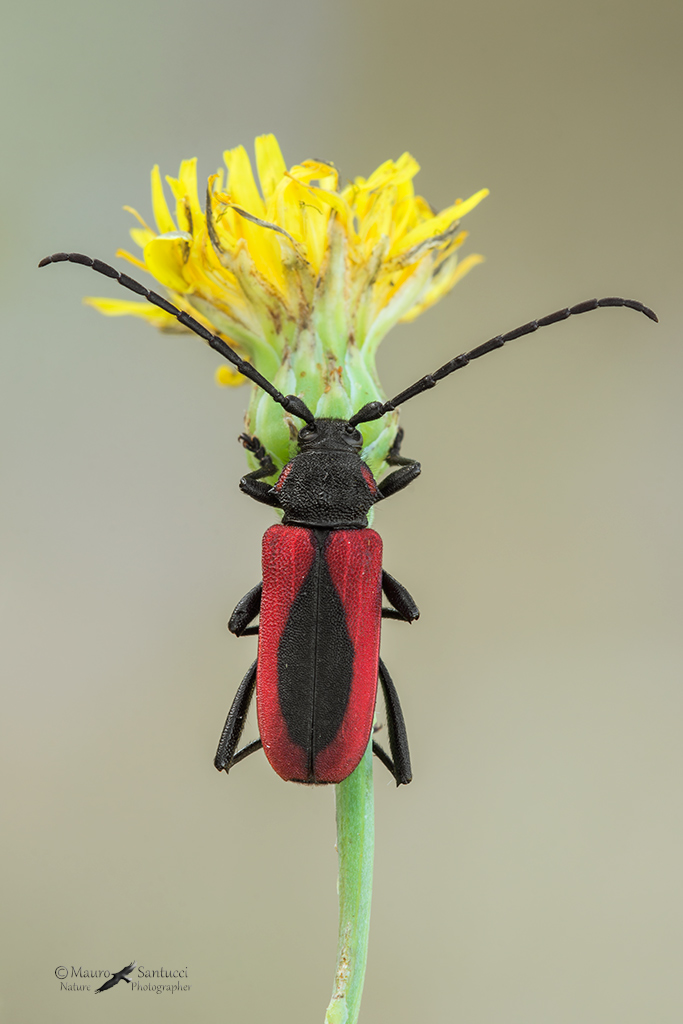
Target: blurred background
[{"x": 532, "y": 871}]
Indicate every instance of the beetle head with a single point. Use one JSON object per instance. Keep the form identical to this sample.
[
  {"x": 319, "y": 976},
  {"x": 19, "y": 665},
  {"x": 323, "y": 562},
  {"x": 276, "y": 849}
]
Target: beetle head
[{"x": 330, "y": 435}]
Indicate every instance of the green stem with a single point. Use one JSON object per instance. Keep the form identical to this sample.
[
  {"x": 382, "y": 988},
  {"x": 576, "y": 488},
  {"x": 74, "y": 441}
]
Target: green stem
[{"x": 355, "y": 846}]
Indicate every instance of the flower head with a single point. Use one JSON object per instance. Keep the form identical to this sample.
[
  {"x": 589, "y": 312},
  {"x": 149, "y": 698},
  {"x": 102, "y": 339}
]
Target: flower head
[{"x": 303, "y": 276}]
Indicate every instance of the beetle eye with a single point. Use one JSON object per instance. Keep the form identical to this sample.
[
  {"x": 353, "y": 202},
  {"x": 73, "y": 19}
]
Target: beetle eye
[
  {"x": 307, "y": 432},
  {"x": 353, "y": 434}
]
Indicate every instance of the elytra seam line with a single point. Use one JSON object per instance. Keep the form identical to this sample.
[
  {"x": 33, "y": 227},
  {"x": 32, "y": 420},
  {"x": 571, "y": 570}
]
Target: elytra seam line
[{"x": 319, "y": 552}]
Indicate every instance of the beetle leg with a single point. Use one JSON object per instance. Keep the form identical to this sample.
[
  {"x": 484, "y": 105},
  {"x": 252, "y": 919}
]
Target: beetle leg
[
  {"x": 381, "y": 754},
  {"x": 234, "y": 724},
  {"x": 258, "y": 490},
  {"x": 395, "y": 450},
  {"x": 398, "y": 738},
  {"x": 250, "y": 748},
  {"x": 404, "y": 607},
  {"x": 400, "y": 478},
  {"x": 253, "y": 445},
  {"x": 253, "y": 483},
  {"x": 245, "y": 612}
]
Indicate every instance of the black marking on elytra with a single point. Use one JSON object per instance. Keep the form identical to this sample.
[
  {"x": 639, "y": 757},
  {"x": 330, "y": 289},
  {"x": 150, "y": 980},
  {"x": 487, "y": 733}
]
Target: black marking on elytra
[{"x": 315, "y": 646}]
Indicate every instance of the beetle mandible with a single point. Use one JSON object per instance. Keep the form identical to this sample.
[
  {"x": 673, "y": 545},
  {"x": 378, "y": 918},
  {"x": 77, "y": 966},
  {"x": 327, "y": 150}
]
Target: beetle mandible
[{"x": 320, "y": 600}]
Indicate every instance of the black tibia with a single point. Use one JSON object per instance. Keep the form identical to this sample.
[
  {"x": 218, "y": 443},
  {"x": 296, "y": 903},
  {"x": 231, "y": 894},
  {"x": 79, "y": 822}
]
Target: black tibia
[
  {"x": 245, "y": 612},
  {"x": 404, "y": 606},
  {"x": 400, "y": 478},
  {"x": 259, "y": 491},
  {"x": 253, "y": 484},
  {"x": 234, "y": 724},
  {"x": 398, "y": 738}
]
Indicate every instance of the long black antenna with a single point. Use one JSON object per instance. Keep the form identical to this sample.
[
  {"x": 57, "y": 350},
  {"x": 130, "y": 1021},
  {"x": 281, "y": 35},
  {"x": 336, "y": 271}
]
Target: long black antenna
[
  {"x": 290, "y": 403},
  {"x": 373, "y": 410}
]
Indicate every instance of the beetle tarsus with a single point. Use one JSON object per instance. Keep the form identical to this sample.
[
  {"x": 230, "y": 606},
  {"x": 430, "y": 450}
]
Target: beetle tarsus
[
  {"x": 409, "y": 469},
  {"x": 394, "y": 458},
  {"x": 253, "y": 484},
  {"x": 381, "y": 754},
  {"x": 250, "y": 748},
  {"x": 391, "y": 613},
  {"x": 254, "y": 446}
]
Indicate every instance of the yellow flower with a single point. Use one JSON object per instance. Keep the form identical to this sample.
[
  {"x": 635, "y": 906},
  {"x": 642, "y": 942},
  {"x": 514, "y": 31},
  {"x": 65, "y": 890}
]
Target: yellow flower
[{"x": 303, "y": 276}]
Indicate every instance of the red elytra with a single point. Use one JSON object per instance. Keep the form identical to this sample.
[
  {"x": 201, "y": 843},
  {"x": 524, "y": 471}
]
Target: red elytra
[{"x": 318, "y": 656}]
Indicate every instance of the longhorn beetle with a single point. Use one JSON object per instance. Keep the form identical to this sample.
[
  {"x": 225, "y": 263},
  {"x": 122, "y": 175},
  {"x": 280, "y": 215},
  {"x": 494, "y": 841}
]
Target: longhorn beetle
[{"x": 320, "y": 601}]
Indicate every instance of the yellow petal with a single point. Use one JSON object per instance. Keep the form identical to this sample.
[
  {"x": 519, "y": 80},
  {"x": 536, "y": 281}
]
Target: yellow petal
[
  {"x": 444, "y": 283},
  {"x": 261, "y": 242},
  {"x": 440, "y": 246},
  {"x": 143, "y": 223},
  {"x": 141, "y": 236},
  {"x": 189, "y": 213},
  {"x": 270, "y": 164},
  {"x": 131, "y": 259},
  {"x": 228, "y": 378},
  {"x": 338, "y": 203},
  {"x": 162, "y": 214},
  {"x": 165, "y": 257},
  {"x": 309, "y": 217},
  {"x": 390, "y": 173},
  {"x": 440, "y": 223},
  {"x": 314, "y": 170},
  {"x": 125, "y": 307},
  {"x": 241, "y": 184}
]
